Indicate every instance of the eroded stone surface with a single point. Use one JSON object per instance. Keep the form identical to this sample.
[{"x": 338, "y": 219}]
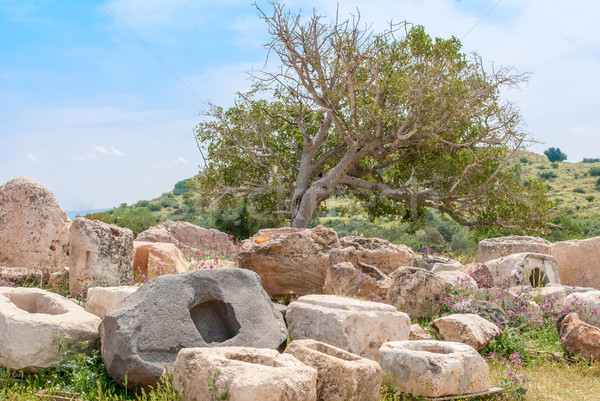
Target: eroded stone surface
[
  {"x": 495, "y": 248},
  {"x": 100, "y": 255},
  {"x": 191, "y": 239},
  {"x": 22, "y": 276},
  {"x": 466, "y": 328},
  {"x": 434, "y": 368},
  {"x": 249, "y": 374},
  {"x": 342, "y": 376},
  {"x": 457, "y": 281},
  {"x": 523, "y": 269},
  {"x": 418, "y": 333},
  {"x": 587, "y": 306},
  {"x": 578, "y": 261},
  {"x": 362, "y": 280},
  {"x": 380, "y": 253},
  {"x": 417, "y": 292},
  {"x": 356, "y": 326},
  {"x": 578, "y": 337},
  {"x": 101, "y": 299},
  {"x": 153, "y": 259},
  {"x": 35, "y": 229},
  {"x": 290, "y": 261},
  {"x": 31, "y": 321},
  {"x": 201, "y": 308}
]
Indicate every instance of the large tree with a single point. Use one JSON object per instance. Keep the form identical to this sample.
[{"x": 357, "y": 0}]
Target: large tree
[{"x": 403, "y": 121}]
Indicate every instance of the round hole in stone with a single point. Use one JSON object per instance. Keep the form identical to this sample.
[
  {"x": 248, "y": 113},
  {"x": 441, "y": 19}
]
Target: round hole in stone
[
  {"x": 215, "y": 321},
  {"x": 36, "y": 303},
  {"x": 538, "y": 278}
]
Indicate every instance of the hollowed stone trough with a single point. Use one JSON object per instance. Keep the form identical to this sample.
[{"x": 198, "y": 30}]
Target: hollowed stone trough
[
  {"x": 250, "y": 374},
  {"x": 201, "y": 308},
  {"x": 434, "y": 368},
  {"x": 33, "y": 323}
]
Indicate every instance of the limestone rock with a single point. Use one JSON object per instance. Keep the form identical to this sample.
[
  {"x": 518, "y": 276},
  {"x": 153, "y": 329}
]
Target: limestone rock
[
  {"x": 418, "y": 333},
  {"x": 200, "y": 308},
  {"x": 495, "y": 248},
  {"x": 467, "y": 329},
  {"x": 551, "y": 298},
  {"x": 356, "y": 326},
  {"x": 191, "y": 239},
  {"x": 428, "y": 261},
  {"x": 35, "y": 229},
  {"x": 450, "y": 265},
  {"x": 153, "y": 259},
  {"x": 100, "y": 254},
  {"x": 380, "y": 253},
  {"x": 249, "y": 374},
  {"x": 59, "y": 281},
  {"x": 101, "y": 299},
  {"x": 290, "y": 261},
  {"x": 22, "y": 276},
  {"x": 341, "y": 376},
  {"x": 486, "y": 309},
  {"x": 31, "y": 321},
  {"x": 578, "y": 337},
  {"x": 526, "y": 269},
  {"x": 457, "y": 281},
  {"x": 578, "y": 261},
  {"x": 587, "y": 306},
  {"x": 434, "y": 368},
  {"x": 417, "y": 292},
  {"x": 364, "y": 280}
]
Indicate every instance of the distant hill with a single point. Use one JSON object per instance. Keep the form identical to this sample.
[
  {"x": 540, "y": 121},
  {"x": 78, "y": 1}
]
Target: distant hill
[{"x": 72, "y": 214}]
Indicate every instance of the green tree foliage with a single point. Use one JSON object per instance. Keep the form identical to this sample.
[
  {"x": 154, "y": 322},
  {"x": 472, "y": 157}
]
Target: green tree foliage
[
  {"x": 555, "y": 155},
  {"x": 137, "y": 220},
  {"x": 595, "y": 171},
  {"x": 404, "y": 121},
  {"x": 181, "y": 187},
  {"x": 591, "y": 160}
]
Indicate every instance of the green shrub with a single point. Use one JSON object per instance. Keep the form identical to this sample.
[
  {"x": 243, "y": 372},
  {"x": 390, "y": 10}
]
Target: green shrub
[
  {"x": 554, "y": 165},
  {"x": 548, "y": 175},
  {"x": 595, "y": 171},
  {"x": 555, "y": 155},
  {"x": 590, "y": 198},
  {"x": 142, "y": 203},
  {"x": 155, "y": 207},
  {"x": 524, "y": 160},
  {"x": 586, "y": 160},
  {"x": 168, "y": 202},
  {"x": 579, "y": 190},
  {"x": 181, "y": 187}
]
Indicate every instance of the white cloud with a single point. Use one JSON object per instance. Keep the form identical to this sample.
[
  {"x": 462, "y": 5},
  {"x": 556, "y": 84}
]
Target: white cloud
[
  {"x": 116, "y": 152},
  {"x": 32, "y": 157},
  {"x": 101, "y": 149}
]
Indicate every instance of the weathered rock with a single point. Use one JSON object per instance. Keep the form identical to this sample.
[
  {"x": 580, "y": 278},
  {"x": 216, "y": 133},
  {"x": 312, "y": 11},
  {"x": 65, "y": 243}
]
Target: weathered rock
[
  {"x": 428, "y": 261},
  {"x": 341, "y": 376},
  {"x": 153, "y": 259},
  {"x": 467, "y": 329},
  {"x": 587, "y": 306},
  {"x": 281, "y": 308},
  {"x": 364, "y": 280},
  {"x": 450, "y": 265},
  {"x": 290, "y": 261},
  {"x": 34, "y": 227},
  {"x": 418, "y": 333},
  {"x": 191, "y": 239},
  {"x": 32, "y": 321},
  {"x": 551, "y": 298},
  {"x": 434, "y": 368},
  {"x": 495, "y": 248},
  {"x": 357, "y": 326},
  {"x": 22, "y": 276},
  {"x": 248, "y": 374},
  {"x": 526, "y": 269},
  {"x": 101, "y": 299},
  {"x": 578, "y": 261},
  {"x": 416, "y": 291},
  {"x": 59, "y": 281},
  {"x": 578, "y": 337},
  {"x": 201, "y": 308},
  {"x": 380, "y": 253},
  {"x": 486, "y": 309},
  {"x": 457, "y": 281},
  {"x": 100, "y": 255}
]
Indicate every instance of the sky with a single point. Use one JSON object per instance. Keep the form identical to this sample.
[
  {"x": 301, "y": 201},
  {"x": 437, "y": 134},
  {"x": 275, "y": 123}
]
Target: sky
[{"x": 99, "y": 99}]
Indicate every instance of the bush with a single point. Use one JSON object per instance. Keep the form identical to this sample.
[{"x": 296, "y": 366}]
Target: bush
[
  {"x": 181, "y": 187},
  {"x": 590, "y": 198},
  {"x": 524, "y": 160},
  {"x": 142, "y": 203},
  {"x": 586, "y": 160},
  {"x": 154, "y": 207},
  {"x": 168, "y": 202},
  {"x": 547, "y": 175},
  {"x": 555, "y": 155},
  {"x": 595, "y": 171},
  {"x": 554, "y": 165},
  {"x": 579, "y": 190}
]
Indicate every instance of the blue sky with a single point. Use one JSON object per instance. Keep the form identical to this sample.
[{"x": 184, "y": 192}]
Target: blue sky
[{"x": 91, "y": 112}]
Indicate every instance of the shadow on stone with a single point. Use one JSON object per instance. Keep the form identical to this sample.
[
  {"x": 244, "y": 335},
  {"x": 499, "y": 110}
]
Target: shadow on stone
[{"x": 215, "y": 321}]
